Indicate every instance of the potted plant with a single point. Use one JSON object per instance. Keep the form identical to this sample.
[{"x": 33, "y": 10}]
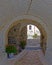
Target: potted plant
[
  {"x": 10, "y": 49},
  {"x": 22, "y": 44}
]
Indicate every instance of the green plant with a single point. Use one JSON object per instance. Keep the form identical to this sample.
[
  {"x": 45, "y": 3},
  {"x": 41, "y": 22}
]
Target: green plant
[
  {"x": 11, "y": 49},
  {"x": 22, "y": 44},
  {"x": 35, "y": 36}
]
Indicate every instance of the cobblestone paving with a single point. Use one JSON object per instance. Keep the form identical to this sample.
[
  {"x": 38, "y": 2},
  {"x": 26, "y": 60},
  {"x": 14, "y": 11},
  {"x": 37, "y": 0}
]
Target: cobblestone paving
[{"x": 30, "y": 58}]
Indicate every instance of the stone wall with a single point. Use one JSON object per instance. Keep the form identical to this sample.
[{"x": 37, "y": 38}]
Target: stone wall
[
  {"x": 23, "y": 34},
  {"x": 13, "y": 34}
]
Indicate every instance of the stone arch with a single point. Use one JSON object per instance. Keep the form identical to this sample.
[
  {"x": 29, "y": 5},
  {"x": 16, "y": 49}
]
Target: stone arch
[
  {"x": 35, "y": 21},
  {"x": 42, "y": 31}
]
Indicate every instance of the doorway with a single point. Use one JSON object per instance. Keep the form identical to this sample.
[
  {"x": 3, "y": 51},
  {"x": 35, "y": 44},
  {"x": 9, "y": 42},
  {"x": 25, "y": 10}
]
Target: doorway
[
  {"x": 22, "y": 32},
  {"x": 33, "y": 35}
]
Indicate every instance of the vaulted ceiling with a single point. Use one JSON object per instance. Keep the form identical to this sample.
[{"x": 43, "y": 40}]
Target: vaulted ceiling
[{"x": 9, "y": 9}]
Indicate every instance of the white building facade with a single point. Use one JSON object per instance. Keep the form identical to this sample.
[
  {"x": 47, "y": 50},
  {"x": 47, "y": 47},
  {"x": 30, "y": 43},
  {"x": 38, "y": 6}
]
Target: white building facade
[{"x": 32, "y": 30}]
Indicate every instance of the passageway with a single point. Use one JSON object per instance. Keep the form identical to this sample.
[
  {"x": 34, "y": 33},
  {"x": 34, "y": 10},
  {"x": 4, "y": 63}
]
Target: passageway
[
  {"x": 33, "y": 55},
  {"x": 30, "y": 58},
  {"x": 15, "y": 15}
]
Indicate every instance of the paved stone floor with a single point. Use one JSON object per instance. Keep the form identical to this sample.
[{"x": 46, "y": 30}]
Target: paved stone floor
[
  {"x": 30, "y": 58},
  {"x": 33, "y": 56}
]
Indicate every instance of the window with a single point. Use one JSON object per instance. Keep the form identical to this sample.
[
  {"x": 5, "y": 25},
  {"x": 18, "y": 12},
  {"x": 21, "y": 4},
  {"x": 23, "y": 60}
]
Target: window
[{"x": 30, "y": 27}]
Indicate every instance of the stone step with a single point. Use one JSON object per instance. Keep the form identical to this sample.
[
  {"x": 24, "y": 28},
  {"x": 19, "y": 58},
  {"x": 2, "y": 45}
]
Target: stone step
[{"x": 33, "y": 48}]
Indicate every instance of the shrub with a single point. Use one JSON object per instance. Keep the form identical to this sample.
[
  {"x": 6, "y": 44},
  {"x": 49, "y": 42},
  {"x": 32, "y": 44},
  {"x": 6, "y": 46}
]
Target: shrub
[
  {"x": 35, "y": 36},
  {"x": 11, "y": 49},
  {"x": 22, "y": 44}
]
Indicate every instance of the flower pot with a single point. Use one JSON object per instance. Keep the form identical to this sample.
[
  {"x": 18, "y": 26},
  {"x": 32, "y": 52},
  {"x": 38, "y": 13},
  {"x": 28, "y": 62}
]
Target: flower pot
[{"x": 11, "y": 55}]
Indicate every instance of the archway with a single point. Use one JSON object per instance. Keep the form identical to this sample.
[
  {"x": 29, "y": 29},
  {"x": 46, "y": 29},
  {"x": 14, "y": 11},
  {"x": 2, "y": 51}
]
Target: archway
[
  {"x": 43, "y": 33},
  {"x": 24, "y": 22},
  {"x": 25, "y": 33}
]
